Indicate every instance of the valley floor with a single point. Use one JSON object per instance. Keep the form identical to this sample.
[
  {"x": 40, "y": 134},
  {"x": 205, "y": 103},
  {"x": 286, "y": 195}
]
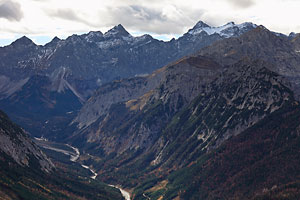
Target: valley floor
[{"x": 74, "y": 155}]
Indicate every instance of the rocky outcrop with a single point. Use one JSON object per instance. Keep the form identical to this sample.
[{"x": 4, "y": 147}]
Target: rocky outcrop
[
  {"x": 174, "y": 79},
  {"x": 243, "y": 95},
  {"x": 128, "y": 102},
  {"x": 15, "y": 143}
]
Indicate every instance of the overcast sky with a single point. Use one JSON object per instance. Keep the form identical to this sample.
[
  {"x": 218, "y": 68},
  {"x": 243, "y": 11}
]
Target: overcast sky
[{"x": 41, "y": 20}]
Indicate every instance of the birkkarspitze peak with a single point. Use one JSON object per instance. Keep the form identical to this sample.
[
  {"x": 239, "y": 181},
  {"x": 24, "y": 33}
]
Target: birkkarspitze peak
[{"x": 118, "y": 30}]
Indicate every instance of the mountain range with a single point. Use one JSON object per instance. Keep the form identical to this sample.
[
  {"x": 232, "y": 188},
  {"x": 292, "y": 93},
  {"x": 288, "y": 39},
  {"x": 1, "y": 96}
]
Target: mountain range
[
  {"x": 65, "y": 73},
  {"x": 210, "y": 115}
]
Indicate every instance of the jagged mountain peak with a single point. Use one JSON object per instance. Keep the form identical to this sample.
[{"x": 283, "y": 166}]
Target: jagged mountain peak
[
  {"x": 96, "y": 33},
  {"x": 118, "y": 30},
  {"x": 230, "y": 23},
  {"x": 247, "y": 24},
  {"x": 55, "y": 39},
  {"x": 262, "y": 28},
  {"x": 296, "y": 37},
  {"x": 93, "y": 36},
  {"x": 74, "y": 39},
  {"x": 53, "y": 42},
  {"x": 228, "y": 30},
  {"x": 292, "y": 35},
  {"x": 201, "y": 24},
  {"x": 145, "y": 39},
  {"x": 146, "y": 36},
  {"x": 23, "y": 41}
]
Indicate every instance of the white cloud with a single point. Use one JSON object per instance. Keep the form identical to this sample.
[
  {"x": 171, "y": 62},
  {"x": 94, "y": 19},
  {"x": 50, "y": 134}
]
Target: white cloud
[{"x": 159, "y": 17}]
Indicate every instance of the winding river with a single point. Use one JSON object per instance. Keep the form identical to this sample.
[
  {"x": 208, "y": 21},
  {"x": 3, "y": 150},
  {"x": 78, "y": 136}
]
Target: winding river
[
  {"x": 74, "y": 158},
  {"x": 125, "y": 194}
]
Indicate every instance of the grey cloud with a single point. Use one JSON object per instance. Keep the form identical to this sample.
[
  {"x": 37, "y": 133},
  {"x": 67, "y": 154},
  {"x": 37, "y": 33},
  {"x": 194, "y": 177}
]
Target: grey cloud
[
  {"x": 68, "y": 14},
  {"x": 217, "y": 20},
  {"x": 41, "y": 1},
  {"x": 145, "y": 14},
  {"x": 242, "y": 3},
  {"x": 10, "y": 10},
  {"x": 146, "y": 19}
]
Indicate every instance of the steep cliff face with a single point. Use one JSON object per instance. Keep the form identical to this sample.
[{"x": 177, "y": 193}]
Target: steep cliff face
[
  {"x": 243, "y": 95},
  {"x": 172, "y": 79},
  {"x": 112, "y": 93},
  {"x": 137, "y": 119},
  {"x": 260, "y": 163},
  {"x": 15, "y": 143}
]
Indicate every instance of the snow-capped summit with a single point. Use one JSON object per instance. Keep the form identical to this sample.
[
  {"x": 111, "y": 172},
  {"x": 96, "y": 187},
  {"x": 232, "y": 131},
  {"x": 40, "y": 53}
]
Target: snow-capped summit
[
  {"x": 231, "y": 29},
  {"x": 228, "y": 30}
]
